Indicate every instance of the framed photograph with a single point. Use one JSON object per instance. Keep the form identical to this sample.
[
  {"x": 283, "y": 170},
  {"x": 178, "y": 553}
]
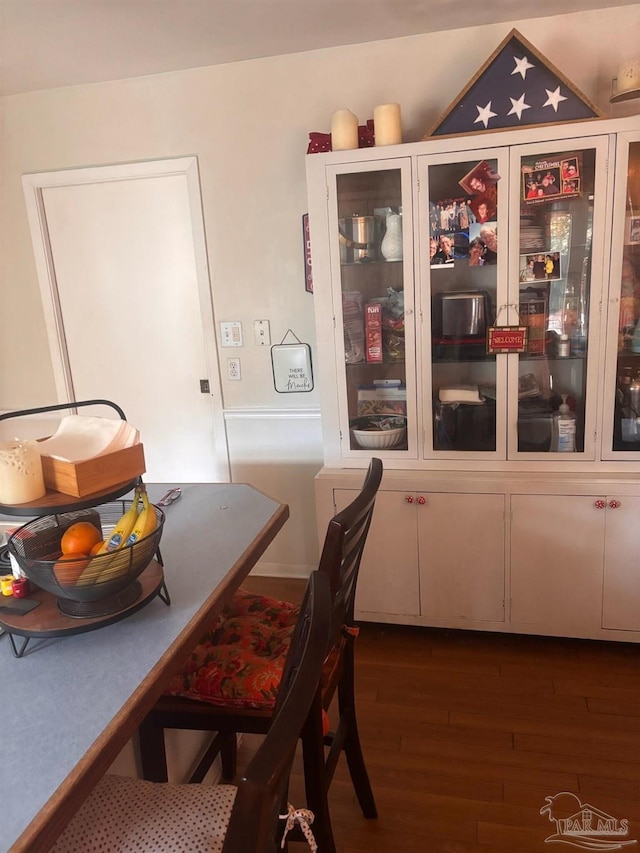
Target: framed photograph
[
  {"x": 571, "y": 186},
  {"x": 483, "y": 244},
  {"x": 447, "y": 248},
  {"x": 551, "y": 179},
  {"x": 481, "y": 180},
  {"x": 632, "y": 231},
  {"x": 540, "y": 266},
  {"x": 570, "y": 168},
  {"x": 306, "y": 243},
  {"x": 449, "y": 214},
  {"x": 541, "y": 183},
  {"x": 483, "y": 209}
]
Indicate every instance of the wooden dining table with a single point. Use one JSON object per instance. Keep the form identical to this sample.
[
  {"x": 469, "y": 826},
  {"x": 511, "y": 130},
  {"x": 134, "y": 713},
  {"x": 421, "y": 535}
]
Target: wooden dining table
[{"x": 71, "y": 703}]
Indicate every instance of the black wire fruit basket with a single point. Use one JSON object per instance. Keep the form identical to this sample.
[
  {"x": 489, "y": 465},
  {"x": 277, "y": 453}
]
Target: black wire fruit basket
[{"x": 86, "y": 586}]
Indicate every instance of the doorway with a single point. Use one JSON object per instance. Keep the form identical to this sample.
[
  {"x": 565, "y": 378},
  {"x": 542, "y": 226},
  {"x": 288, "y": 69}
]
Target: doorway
[{"x": 122, "y": 265}]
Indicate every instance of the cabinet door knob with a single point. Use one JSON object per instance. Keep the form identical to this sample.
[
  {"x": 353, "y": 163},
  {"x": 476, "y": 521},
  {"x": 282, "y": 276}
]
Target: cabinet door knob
[
  {"x": 600, "y": 504},
  {"x": 614, "y": 504},
  {"x": 422, "y": 500},
  {"x": 409, "y": 499}
]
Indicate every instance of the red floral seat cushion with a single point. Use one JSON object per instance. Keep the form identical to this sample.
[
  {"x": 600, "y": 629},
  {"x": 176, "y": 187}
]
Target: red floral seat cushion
[{"x": 239, "y": 662}]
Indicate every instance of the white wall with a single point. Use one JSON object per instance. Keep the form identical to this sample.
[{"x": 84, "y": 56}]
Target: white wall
[{"x": 248, "y": 124}]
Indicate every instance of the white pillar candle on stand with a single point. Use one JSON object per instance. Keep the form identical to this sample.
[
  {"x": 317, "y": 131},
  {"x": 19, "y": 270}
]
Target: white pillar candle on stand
[
  {"x": 629, "y": 76},
  {"x": 344, "y": 130},
  {"x": 21, "y": 478},
  {"x": 387, "y": 125}
]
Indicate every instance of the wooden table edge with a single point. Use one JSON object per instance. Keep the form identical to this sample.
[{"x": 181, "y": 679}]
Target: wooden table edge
[{"x": 41, "y": 833}]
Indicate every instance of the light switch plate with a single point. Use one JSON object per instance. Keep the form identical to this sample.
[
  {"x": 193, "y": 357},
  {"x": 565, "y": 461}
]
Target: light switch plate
[
  {"x": 261, "y": 333},
  {"x": 231, "y": 334}
]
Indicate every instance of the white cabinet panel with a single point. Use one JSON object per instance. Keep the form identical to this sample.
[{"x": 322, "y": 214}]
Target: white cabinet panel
[
  {"x": 557, "y": 555},
  {"x": 388, "y": 580},
  {"x": 462, "y": 544},
  {"x": 621, "y": 588},
  {"x": 439, "y": 556}
]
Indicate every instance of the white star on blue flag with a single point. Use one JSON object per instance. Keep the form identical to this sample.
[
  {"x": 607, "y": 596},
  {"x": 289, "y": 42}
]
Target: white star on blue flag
[
  {"x": 518, "y": 107},
  {"x": 522, "y": 66},
  {"x": 484, "y": 114}
]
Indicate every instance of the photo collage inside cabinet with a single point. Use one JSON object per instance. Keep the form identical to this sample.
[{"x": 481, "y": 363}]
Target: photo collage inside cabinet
[
  {"x": 550, "y": 299},
  {"x": 464, "y": 250},
  {"x": 556, "y": 234}
]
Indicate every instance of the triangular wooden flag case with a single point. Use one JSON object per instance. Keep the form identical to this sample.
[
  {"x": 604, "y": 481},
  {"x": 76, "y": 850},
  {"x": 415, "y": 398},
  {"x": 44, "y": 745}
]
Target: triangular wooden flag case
[{"x": 516, "y": 87}]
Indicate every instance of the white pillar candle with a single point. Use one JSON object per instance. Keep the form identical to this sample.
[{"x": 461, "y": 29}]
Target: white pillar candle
[
  {"x": 629, "y": 76},
  {"x": 387, "y": 125},
  {"x": 344, "y": 130},
  {"x": 21, "y": 478}
]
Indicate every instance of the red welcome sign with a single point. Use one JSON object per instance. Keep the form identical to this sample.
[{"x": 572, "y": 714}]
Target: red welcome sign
[{"x": 505, "y": 339}]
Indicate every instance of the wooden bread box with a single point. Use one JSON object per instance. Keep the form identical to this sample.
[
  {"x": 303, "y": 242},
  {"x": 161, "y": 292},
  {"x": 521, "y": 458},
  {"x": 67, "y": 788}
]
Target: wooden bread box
[{"x": 93, "y": 475}]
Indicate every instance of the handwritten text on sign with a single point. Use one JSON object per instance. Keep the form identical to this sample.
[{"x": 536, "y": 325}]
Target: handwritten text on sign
[{"x": 298, "y": 380}]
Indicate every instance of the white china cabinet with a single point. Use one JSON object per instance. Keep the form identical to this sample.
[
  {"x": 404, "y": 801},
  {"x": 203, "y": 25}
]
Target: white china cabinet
[{"x": 478, "y": 324}]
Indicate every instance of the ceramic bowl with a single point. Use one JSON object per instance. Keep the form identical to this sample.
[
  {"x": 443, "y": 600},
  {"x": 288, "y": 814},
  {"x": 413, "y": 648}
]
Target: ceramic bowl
[{"x": 379, "y": 432}]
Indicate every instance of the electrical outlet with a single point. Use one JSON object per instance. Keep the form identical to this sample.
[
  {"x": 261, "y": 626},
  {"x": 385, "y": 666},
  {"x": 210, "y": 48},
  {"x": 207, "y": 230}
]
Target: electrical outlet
[{"x": 233, "y": 370}]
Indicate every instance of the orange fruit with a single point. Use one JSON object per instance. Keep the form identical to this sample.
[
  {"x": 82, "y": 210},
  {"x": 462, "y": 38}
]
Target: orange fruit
[
  {"x": 69, "y": 568},
  {"x": 96, "y": 548},
  {"x": 80, "y": 538}
]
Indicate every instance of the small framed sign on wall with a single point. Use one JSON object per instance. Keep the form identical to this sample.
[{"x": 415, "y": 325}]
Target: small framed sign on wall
[{"x": 291, "y": 364}]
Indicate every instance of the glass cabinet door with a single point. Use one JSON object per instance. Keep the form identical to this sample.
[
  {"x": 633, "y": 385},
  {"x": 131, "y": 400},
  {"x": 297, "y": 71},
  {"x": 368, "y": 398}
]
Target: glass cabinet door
[
  {"x": 625, "y": 275},
  {"x": 370, "y": 216},
  {"x": 557, "y": 262},
  {"x": 463, "y": 220}
]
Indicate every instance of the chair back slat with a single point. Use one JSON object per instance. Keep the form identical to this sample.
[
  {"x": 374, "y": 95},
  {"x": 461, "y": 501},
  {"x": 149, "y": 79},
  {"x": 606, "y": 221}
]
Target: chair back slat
[
  {"x": 343, "y": 546},
  {"x": 254, "y": 824}
]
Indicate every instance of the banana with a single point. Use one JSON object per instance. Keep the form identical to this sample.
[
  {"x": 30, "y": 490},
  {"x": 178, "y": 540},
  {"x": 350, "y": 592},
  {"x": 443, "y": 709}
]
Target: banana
[
  {"x": 144, "y": 526},
  {"x": 115, "y": 542},
  {"x": 124, "y": 526},
  {"x": 146, "y": 521}
]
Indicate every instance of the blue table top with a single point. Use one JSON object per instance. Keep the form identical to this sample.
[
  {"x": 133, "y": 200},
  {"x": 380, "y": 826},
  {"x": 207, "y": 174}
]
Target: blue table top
[{"x": 65, "y": 692}]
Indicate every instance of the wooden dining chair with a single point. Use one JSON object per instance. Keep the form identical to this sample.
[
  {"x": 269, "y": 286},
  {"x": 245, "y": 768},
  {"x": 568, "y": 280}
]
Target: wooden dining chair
[
  {"x": 231, "y": 679},
  {"x": 124, "y": 815}
]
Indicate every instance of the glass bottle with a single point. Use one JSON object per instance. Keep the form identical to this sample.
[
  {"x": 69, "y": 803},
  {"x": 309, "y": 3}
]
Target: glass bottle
[
  {"x": 564, "y": 346},
  {"x": 563, "y": 438}
]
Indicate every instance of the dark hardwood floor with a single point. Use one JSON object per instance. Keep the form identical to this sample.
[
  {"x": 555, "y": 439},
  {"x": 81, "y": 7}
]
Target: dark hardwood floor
[{"x": 466, "y": 734}]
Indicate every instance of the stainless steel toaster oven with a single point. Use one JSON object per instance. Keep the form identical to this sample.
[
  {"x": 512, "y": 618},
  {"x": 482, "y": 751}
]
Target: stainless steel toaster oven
[{"x": 464, "y": 313}]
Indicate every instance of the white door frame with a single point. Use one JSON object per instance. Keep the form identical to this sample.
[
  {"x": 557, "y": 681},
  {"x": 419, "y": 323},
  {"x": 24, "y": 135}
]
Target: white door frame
[{"x": 33, "y": 184}]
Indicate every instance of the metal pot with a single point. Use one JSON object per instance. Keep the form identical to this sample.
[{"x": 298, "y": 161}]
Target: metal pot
[{"x": 359, "y": 239}]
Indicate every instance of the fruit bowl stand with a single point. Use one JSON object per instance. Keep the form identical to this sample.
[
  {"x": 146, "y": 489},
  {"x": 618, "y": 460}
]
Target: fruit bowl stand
[{"x": 47, "y": 619}]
